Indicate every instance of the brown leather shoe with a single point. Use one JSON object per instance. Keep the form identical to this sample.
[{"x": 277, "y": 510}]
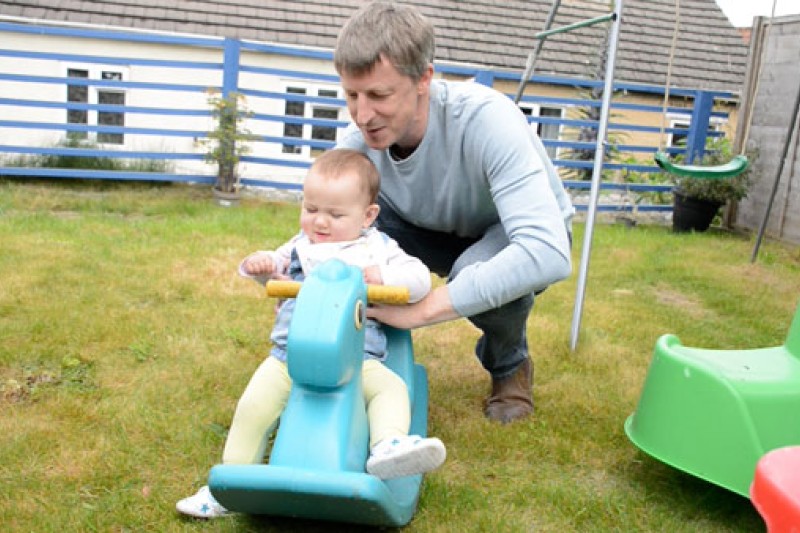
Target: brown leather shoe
[{"x": 511, "y": 397}]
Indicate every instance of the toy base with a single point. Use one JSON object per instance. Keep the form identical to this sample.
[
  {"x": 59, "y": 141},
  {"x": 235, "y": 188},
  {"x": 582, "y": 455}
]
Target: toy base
[
  {"x": 354, "y": 497},
  {"x": 338, "y": 496}
]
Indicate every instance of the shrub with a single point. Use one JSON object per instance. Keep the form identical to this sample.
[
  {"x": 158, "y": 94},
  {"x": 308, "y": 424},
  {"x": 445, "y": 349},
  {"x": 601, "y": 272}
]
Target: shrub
[{"x": 716, "y": 190}]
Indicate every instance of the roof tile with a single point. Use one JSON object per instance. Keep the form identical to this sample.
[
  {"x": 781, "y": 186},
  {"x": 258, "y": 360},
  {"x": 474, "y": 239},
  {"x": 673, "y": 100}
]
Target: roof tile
[{"x": 492, "y": 33}]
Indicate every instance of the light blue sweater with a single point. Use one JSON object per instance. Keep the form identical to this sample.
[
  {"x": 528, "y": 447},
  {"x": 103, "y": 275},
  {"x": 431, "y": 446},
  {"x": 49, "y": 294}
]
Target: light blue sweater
[{"x": 480, "y": 163}]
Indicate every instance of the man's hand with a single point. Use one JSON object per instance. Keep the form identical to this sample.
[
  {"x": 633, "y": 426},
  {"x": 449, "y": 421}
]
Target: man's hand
[{"x": 432, "y": 309}]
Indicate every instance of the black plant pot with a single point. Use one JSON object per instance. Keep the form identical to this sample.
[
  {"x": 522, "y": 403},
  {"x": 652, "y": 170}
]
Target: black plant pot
[
  {"x": 226, "y": 199},
  {"x": 692, "y": 214}
]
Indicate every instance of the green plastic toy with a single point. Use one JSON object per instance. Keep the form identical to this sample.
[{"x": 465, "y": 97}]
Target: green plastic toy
[
  {"x": 734, "y": 167},
  {"x": 715, "y": 413}
]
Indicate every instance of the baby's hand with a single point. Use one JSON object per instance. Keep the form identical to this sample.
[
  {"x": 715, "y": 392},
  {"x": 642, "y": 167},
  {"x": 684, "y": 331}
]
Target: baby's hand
[
  {"x": 259, "y": 264},
  {"x": 372, "y": 275}
]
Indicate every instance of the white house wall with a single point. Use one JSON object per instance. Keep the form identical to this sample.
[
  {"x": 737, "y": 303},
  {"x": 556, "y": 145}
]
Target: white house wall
[
  {"x": 273, "y": 106},
  {"x": 167, "y": 99}
]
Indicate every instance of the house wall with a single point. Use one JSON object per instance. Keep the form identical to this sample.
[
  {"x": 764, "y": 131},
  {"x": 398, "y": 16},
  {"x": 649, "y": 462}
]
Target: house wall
[
  {"x": 196, "y": 99},
  {"x": 652, "y": 118},
  {"x": 271, "y": 106},
  {"x": 197, "y": 64},
  {"x": 56, "y": 92},
  {"x": 777, "y": 90}
]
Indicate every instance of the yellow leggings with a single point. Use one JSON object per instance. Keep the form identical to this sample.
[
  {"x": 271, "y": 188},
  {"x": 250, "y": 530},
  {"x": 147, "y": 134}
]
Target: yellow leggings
[{"x": 265, "y": 397}]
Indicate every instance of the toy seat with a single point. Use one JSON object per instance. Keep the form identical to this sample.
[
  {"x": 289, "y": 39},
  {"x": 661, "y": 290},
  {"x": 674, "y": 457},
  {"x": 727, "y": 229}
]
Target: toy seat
[
  {"x": 316, "y": 467},
  {"x": 715, "y": 413},
  {"x": 775, "y": 491}
]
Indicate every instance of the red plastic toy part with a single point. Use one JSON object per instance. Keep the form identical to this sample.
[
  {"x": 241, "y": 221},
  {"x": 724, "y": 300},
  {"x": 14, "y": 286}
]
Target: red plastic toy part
[{"x": 775, "y": 491}]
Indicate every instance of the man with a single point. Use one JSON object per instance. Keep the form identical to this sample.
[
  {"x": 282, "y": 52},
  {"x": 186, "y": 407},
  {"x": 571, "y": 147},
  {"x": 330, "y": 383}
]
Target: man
[{"x": 466, "y": 186}]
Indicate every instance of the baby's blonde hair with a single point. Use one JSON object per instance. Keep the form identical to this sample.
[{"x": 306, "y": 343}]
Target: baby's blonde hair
[{"x": 334, "y": 163}]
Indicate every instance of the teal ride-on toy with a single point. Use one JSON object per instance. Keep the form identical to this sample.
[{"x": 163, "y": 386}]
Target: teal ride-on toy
[{"x": 316, "y": 466}]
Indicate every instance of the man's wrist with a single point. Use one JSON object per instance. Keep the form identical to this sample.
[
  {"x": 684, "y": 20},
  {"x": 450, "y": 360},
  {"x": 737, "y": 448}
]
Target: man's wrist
[{"x": 437, "y": 307}]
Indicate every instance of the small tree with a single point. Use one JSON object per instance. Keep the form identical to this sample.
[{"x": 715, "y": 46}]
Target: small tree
[{"x": 226, "y": 143}]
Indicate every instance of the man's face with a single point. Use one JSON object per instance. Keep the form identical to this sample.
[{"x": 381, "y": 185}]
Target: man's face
[{"x": 387, "y": 106}]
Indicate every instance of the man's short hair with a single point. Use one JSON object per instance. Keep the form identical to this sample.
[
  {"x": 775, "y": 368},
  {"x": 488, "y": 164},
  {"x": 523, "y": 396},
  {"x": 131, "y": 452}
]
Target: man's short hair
[{"x": 396, "y": 32}]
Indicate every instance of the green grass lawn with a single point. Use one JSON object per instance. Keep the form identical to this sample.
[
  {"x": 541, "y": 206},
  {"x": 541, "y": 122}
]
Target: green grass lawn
[{"x": 126, "y": 338}]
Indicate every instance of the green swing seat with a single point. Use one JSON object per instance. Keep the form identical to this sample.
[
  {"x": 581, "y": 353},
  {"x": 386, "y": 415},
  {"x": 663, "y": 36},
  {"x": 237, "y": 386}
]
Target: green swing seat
[
  {"x": 715, "y": 413},
  {"x": 734, "y": 167}
]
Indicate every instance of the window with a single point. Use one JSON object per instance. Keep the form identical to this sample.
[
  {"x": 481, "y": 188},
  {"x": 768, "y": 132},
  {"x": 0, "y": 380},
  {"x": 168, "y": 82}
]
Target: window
[
  {"x": 549, "y": 130},
  {"x": 293, "y": 108},
  {"x": 310, "y": 110},
  {"x": 96, "y": 94},
  {"x": 78, "y": 94},
  {"x": 546, "y": 130},
  {"x": 679, "y": 139},
  {"x": 109, "y": 117}
]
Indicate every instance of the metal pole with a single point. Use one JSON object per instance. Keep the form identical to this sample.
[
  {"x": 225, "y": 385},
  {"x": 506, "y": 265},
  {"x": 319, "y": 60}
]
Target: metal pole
[
  {"x": 581, "y": 24},
  {"x": 533, "y": 55},
  {"x": 789, "y": 136},
  {"x": 597, "y": 171}
]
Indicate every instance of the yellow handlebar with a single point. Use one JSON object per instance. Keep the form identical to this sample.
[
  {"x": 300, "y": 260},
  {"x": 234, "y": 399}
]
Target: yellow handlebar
[{"x": 376, "y": 294}]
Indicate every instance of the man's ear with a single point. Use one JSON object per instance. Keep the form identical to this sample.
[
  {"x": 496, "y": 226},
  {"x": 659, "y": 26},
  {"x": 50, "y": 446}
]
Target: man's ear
[
  {"x": 425, "y": 80},
  {"x": 371, "y": 214}
]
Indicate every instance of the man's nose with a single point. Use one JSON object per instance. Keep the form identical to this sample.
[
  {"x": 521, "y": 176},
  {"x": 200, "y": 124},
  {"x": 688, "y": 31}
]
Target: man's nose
[{"x": 364, "y": 111}]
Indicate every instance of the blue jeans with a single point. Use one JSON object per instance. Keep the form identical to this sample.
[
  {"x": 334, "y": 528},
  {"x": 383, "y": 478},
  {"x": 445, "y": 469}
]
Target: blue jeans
[{"x": 503, "y": 345}]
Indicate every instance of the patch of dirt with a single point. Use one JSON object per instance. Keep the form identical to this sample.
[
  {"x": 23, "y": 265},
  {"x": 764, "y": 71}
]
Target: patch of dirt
[
  {"x": 19, "y": 391},
  {"x": 688, "y": 304}
]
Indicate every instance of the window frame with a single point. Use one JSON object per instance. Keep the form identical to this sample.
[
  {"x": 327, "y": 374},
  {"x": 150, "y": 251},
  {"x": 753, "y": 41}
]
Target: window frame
[
  {"x": 684, "y": 121},
  {"x": 307, "y": 131},
  {"x": 534, "y": 111},
  {"x": 93, "y": 95}
]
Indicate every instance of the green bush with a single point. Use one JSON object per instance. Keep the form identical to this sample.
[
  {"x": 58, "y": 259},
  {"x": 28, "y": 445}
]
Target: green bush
[
  {"x": 86, "y": 162},
  {"x": 647, "y": 178},
  {"x": 717, "y": 190}
]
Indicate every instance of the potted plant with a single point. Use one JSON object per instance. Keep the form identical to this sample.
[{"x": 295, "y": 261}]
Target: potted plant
[
  {"x": 697, "y": 200},
  {"x": 226, "y": 143}
]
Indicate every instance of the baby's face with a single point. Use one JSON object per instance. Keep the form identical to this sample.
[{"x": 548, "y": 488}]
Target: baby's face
[{"x": 335, "y": 210}]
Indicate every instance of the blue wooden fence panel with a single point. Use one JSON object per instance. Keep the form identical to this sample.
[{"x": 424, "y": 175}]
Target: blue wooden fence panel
[{"x": 230, "y": 69}]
